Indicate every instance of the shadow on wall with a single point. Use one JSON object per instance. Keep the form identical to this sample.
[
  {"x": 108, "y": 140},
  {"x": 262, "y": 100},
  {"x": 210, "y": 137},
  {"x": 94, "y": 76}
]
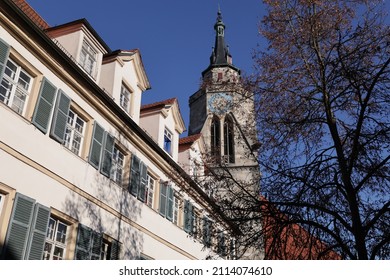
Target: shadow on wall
[{"x": 110, "y": 211}]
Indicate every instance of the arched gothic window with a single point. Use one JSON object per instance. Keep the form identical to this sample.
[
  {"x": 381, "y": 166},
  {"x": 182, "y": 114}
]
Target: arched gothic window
[
  {"x": 215, "y": 138},
  {"x": 228, "y": 138}
]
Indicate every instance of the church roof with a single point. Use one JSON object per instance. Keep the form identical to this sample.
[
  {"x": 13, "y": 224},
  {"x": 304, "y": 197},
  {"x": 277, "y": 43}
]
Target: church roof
[{"x": 220, "y": 55}]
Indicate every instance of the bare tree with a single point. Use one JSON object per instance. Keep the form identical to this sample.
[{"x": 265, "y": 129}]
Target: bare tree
[{"x": 323, "y": 103}]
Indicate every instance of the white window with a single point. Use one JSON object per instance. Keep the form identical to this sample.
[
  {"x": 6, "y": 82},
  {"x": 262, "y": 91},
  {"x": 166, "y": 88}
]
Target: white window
[
  {"x": 125, "y": 99},
  {"x": 176, "y": 207},
  {"x": 118, "y": 160},
  {"x": 88, "y": 58},
  {"x": 168, "y": 141},
  {"x": 74, "y": 133},
  {"x": 55, "y": 246},
  {"x": 15, "y": 86},
  {"x": 149, "y": 195},
  {"x": 104, "y": 252}
]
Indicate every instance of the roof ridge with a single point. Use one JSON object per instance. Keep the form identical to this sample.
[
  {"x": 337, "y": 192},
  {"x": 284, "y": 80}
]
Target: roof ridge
[
  {"x": 31, "y": 13},
  {"x": 159, "y": 103}
]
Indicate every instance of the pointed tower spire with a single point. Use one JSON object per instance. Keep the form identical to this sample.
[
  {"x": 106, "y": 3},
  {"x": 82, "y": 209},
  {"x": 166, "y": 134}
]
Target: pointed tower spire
[{"x": 220, "y": 55}]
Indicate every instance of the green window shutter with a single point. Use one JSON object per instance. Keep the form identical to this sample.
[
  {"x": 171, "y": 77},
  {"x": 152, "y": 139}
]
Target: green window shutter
[
  {"x": 83, "y": 243},
  {"x": 170, "y": 196},
  {"x": 4, "y": 52},
  {"x": 96, "y": 245},
  {"x": 38, "y": 230},
  {"x": 206, "y": 231},
  {"x": 19, "y": 227},
  {"x": 221, "y": 244},
  {"x": 44, "y": 105},
  {"x": 163, "y": 199},
  {"x": 143, "y": 182},
  {"x": 134, "y": 175},
  {"x": 96, "y": 145},
  {"x": 108, "y": 149},
  {"x": 115, "y": 250},
  {"x": 188, "y": 217},
  {"x": 60, "y": 117}
]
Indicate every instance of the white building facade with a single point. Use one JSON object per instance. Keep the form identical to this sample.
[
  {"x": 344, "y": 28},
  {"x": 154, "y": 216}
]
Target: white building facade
[{"x": 81, "y": 176}]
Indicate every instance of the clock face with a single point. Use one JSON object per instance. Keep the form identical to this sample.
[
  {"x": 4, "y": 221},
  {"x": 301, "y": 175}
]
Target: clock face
[{"x": 220, "y": 103}]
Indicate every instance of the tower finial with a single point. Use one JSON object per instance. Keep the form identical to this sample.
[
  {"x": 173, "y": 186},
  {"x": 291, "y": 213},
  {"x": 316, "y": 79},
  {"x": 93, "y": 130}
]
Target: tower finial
[{"x": 219, "y": 14}]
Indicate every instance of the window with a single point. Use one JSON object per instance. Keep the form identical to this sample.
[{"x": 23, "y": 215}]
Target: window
[
  {"x": 55, "y": 245},
  {"x": 44, "y": 108},
  {"x": 228, "y": 137},
  {"x": 118, "y": 160},
  {"x": 188, "y": 217},
  {"x": 74, "y": 132},
  {"x": 68, "y": 126},
  {"x": 105, "y": 155},
  {"x": 88, "y": 58},
  {"x": 221, "y": 246},
  {"x": 15, "y": 86},
  {"x": 107, "y": 250},
  {"x": 168, "y": 141},
  {"x": 125, "y": 99},
  {"x": 194, "y": 169},
  {"x": 215, "y": 138},
  {"x": 138, "y": 178},
  {"x": 166, "y": 200},
  {"x": 207, "y": 229},
  {"x": 176, "y": 210},
  {"x": 93, "y": 245},
  {"x": 197, "y": 229},
  {"x": 220, "y": 76},
  {"x": 149, "y": 191}
]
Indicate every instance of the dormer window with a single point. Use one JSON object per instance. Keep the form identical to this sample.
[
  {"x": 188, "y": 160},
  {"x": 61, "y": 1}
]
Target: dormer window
[
  {"x": 125, "y": 99},
  {"x": 168, "y": 141},
  {"x": 88, "y": 58}
]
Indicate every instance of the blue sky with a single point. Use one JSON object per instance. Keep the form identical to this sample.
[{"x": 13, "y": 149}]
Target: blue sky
[{"x": 175, "y": 37}]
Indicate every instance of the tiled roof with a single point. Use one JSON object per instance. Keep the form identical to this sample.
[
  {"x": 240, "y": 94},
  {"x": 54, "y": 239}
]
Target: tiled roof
[
  {"x": 159, "y": 104},
  {"x": 189, "y": 139},
  {"x": 32, "y": 14}
]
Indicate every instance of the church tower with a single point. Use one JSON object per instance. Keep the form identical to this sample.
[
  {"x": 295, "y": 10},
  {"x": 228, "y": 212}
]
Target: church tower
[{"x": 223, "y": 113}]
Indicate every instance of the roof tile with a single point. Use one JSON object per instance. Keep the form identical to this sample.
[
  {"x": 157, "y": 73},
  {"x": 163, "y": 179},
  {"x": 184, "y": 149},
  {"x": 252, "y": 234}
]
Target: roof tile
[{"x": 32, "y": 14}]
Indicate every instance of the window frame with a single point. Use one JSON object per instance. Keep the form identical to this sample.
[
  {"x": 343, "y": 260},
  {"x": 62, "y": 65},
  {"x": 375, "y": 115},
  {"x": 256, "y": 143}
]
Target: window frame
[
  {"x": 117, "y": 150},
  {"x": 54, "y": 242},
  {"x": 150, "y": 192},
  {"x": 168, "y": 141},
  {"x": 69, "y": 142},
  {"x": 122, "y": 97},
  {"x": 14, "y": 86},
  {"x": 90, "y": 55},
  {"x": 177, "y": 205}
]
